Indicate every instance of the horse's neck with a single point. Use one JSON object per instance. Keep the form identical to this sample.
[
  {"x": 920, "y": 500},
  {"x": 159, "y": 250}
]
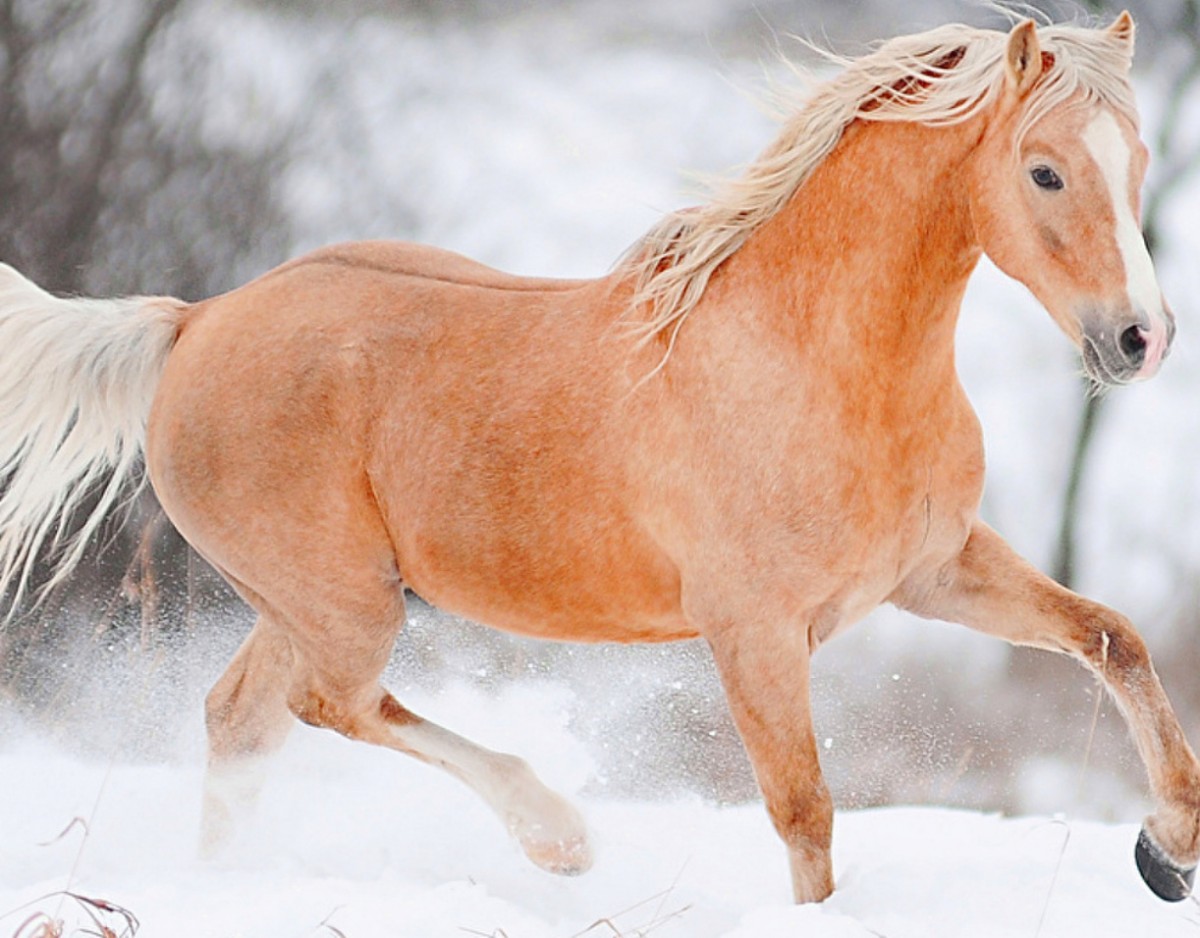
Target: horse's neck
[{"x": 867, "y": 263}]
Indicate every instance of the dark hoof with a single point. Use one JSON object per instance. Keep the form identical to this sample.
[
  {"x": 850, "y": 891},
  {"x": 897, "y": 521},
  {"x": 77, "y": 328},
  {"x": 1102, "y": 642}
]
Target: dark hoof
[{"x": 1165, "y": 879}]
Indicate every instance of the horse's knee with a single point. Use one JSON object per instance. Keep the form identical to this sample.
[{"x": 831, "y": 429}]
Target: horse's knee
[{"x": 1110, "y": 645}]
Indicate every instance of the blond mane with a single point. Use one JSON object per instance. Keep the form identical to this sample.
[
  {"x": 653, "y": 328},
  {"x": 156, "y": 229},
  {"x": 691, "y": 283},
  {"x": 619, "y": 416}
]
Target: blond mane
[{"x": 939, "y": 77}]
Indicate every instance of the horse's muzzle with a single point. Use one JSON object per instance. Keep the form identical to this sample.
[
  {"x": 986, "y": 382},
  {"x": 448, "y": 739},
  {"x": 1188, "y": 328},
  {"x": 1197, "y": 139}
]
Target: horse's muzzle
[{"x": 1130, "y": 352}]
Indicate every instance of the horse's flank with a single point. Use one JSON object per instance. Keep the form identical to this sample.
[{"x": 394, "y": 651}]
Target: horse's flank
[{"x": 511, "y": 402}]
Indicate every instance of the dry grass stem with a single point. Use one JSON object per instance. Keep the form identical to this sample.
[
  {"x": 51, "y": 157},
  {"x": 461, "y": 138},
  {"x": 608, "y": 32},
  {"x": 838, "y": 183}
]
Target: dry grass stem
[
  {"x": 1062, "y": 852},
  {"x": 39, "y": 925},
  {"x": 331, "y": 928},
  {"x": 76, "y": 821},
  {"x": 104, "y": 919},
  {"x": 638, "y": 931},
  {"x": 608, "y": 926}
]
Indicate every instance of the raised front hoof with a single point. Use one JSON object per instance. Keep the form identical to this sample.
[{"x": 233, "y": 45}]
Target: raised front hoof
[
  {"x": 569, "y": 857},
  {"x": 1166, "y": 880}
]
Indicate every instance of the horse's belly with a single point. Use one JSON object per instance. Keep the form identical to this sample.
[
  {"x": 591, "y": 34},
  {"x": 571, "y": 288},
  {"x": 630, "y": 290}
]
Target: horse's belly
[
  {"x": 606, "y": 593},
  {"x": 547, "y": 555}
]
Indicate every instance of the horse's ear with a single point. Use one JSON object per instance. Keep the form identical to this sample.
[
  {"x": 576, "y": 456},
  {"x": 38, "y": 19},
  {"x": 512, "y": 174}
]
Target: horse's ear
[
  {"x": 1122, "y": 28},
  {"x": 1023, "y": 57}
]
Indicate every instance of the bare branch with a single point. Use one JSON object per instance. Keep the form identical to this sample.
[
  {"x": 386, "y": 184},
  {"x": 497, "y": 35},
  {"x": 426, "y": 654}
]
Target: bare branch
[{"x": 122, "y": 102}]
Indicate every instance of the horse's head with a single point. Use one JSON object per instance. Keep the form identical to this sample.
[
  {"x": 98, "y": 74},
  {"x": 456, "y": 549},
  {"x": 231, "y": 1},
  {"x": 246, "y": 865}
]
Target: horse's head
[{"x": 1055, "y": 200}]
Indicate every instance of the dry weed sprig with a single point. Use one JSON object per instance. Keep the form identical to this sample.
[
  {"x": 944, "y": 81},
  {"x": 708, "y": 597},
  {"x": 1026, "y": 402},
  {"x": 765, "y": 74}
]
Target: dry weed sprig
[
  {"x": 658, "y": 919},
  {"x": 1193, "y": 919},
  {"x": 96, "y": 907},
  {"x": 638, "y": 931},
  {"x": 1099, "y": 691},
  {"x": 329, "y": 926},
  {"x": 107, "y": 919},
  {"x": 1062, "y": 852},
  {"x": 39, "y": 925},
  {"x": 76, "y": 821}
]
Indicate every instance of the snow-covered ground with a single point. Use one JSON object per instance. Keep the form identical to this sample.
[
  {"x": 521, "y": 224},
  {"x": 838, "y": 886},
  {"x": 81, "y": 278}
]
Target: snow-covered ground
[
  {"x": 548, "y": 150},
  {"x": 367, "y": 844}
]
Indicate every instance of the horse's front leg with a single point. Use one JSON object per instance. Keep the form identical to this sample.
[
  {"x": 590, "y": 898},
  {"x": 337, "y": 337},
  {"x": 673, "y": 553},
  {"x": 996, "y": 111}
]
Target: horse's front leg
[
  {"x": 989, "y": 588},
  {"x": 765, "y": 673}
]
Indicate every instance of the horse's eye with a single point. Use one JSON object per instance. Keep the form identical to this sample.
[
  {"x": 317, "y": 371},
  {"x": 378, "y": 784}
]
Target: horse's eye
[{"x": 1045, "y": 177}]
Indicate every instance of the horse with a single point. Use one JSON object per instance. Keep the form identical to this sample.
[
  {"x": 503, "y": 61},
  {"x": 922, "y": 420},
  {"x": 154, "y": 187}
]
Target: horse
[{"x": 751, "y": 431}]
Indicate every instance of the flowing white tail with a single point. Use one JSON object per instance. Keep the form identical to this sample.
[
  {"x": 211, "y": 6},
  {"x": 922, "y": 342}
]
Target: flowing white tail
[{"x": 77, "y": 377}]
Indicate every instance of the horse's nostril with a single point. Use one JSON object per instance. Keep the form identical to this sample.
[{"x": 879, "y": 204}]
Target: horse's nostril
[{"x": 1133, "y": 345}]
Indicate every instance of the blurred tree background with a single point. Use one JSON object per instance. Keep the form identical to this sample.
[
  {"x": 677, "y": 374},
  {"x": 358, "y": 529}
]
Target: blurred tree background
[{"x": 171, "y": 146}]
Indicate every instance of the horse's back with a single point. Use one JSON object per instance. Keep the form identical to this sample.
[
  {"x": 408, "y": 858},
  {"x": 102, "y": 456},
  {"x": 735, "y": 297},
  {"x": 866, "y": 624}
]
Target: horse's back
[
  {"x": 331, "y": 326},
  {"x": 422, "y": 261}
]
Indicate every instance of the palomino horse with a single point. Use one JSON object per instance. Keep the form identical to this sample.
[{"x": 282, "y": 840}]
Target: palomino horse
[{"x": 751, "y": 431}]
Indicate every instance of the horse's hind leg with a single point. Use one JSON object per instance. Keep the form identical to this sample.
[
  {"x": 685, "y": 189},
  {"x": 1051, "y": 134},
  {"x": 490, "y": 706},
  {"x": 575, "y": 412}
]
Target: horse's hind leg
[
  {"x": 247, "y": 719},
  {"x": 273, "y": 678},
  {"x": 548, "y": 828},
  {"x": 288, "y": 516}
]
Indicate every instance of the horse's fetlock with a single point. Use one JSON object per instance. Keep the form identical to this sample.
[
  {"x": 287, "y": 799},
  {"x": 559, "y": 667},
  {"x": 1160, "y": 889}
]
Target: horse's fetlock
[
  {"x": 1176, "y": 829},
  {"x": 805, "y": 819}
]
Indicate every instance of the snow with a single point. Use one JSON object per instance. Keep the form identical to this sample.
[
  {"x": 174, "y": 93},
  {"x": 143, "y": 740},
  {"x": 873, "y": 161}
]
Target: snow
[
  {"x": 548, "y": 153},
  {"x": 373, "y": 844}
]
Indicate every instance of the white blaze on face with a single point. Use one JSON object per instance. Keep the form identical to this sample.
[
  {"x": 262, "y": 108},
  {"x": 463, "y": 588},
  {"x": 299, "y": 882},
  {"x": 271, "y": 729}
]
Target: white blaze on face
[{"x": 1108, "y": 147}]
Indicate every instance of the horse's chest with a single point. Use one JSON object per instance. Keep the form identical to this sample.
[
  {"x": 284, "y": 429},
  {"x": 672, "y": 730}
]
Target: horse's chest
[
  {"x": 882, "y": 514},
  {"x": 840, "y": 518}
]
